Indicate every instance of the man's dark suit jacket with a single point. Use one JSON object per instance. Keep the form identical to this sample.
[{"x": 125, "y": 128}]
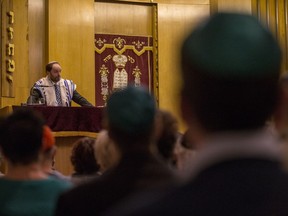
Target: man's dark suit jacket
[
  {"x": 247, "y": 186},
  {"x": 135, "y": 173}
]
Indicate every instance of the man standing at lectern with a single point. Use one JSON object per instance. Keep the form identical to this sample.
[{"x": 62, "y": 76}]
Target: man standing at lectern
[{"x": 55, "y": 90}]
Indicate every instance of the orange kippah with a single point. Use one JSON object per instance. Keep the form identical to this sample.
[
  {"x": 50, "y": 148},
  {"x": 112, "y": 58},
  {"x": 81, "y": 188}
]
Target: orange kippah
[{"x": 48, "y": 140}]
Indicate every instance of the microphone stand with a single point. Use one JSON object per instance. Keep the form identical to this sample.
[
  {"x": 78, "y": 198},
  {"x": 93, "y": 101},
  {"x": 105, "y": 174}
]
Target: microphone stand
[{"x": 31, "y": 99}]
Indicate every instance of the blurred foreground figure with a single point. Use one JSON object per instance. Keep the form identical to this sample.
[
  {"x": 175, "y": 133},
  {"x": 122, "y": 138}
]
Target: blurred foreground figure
[
  {"x": 26, "y": 189},
  {"x": 230, "y": 69},
  {"x": 131, "y": 118}
]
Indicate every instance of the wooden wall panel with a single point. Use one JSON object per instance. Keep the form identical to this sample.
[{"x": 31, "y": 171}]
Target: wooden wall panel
[
  {"x": 168, "y": 1},
  {"x": 242, "y": 6},
  {"x": 37, "y": 33},
  {"x": 281, "y": 22},
  {"x": 174, "y": 22},
  {"x": 272, "y": 19},
  {"x": 120, "y": 18},
  {"x": 274, "y": 14},
  {"x": 71, "y": 42},
  {"x": 20, "y": 78},
  {"x": 7, "y": 39}
]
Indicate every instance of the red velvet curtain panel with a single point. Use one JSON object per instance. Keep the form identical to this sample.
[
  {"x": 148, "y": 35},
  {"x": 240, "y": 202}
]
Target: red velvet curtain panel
[{"x": 122, "y": 60}]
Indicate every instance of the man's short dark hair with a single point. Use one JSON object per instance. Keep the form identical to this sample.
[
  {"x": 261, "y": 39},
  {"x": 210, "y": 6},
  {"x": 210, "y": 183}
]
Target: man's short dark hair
[
  {"x": 50, "y": 65},
  {"x": 83, "y": 157},
  {"x": 21, "y": 136}
]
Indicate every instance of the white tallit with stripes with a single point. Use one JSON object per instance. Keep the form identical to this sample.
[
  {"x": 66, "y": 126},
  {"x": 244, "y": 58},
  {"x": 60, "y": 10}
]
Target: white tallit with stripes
[{"x": 47, "y": 89}]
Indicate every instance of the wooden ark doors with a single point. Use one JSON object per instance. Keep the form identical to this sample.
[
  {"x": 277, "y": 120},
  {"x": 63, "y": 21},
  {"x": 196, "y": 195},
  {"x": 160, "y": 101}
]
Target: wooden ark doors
[{"x": 125, "y": 47}]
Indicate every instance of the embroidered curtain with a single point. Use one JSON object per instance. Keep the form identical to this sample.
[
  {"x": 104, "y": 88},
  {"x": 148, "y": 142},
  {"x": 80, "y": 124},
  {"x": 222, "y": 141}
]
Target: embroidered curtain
[{"x": 121, "y": 60}]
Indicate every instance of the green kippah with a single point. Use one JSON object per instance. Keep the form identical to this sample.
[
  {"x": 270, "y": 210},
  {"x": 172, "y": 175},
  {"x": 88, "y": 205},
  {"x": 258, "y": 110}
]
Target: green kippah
[
  {"x": 131, "y": 110},
  {"x": 233, "y": 45}
]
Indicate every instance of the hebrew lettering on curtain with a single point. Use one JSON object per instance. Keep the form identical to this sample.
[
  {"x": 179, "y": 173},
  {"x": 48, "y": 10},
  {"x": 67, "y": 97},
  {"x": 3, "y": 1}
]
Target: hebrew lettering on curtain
[{"x": 122, "y": 60}]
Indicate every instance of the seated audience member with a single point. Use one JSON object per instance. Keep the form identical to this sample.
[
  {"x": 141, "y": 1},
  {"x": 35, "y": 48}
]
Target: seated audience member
[
  {"x": 184, "y": 153},
  {"x": 1, "y": 174},
  {"x": 106, "y": 152},
  {"x": 166, "y": 136},
  {"x": 173, "y": 147},
  {"x": 280, "y": 120},
  {"x": 48, "y": 163},
  {"x": 281, "y": 114},
  {"x": 131, "y": 117},
  {"x": 83, "y": 160},
  {"x": 26, "y": 189},
  {"x": 230, "y": 67}
]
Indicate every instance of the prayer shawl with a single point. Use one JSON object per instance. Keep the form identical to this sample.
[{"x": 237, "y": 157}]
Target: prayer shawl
[{"x": 47, "y": 88}]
